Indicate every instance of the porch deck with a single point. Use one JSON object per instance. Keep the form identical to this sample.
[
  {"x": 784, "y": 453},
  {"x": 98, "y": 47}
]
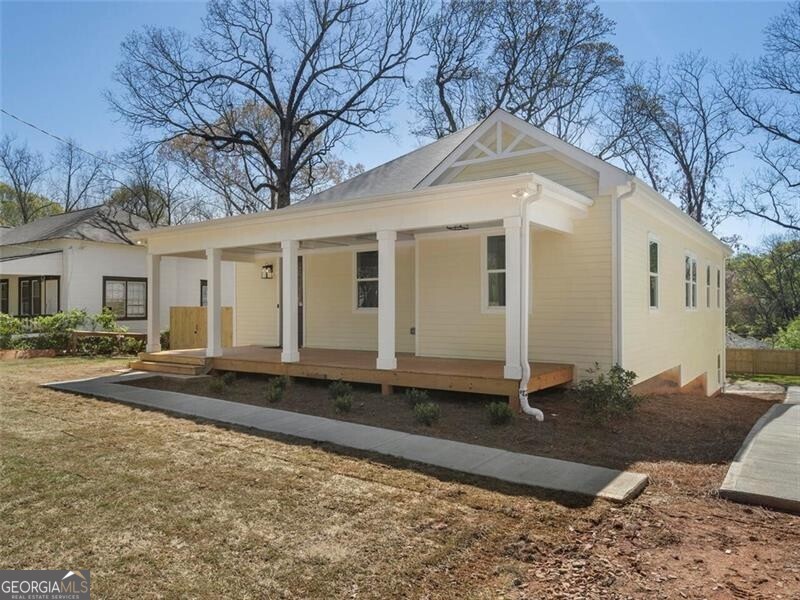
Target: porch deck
[{"x": 462, "y": 375}]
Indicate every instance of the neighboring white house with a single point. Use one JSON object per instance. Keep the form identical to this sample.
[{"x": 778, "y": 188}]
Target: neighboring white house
[
  {"x": 498, "y": 242},
  {"x": 84, "y": 260}
]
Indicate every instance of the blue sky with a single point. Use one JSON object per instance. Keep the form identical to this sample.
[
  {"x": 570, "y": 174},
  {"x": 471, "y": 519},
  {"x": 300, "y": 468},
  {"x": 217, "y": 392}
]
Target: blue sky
[{"x": 56, "y": 58}]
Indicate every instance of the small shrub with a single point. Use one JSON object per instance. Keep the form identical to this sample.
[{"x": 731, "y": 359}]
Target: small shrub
[
  {"x": 131, "y": 346},
  {"x": 500, "y": 413},
  {"x": 607, "y": 393},
  {"x": 339, "y": 388},
  {"x": 229, "y": 378},
  {"x": 343, "y": 403},
  {"x": 284, "y": 381},
  {"x": 216, "y": 384},
  {"x": 164, "y": 337},
  {"x": 274, "y": 391},
  {"x": 426, "y": 413},
  {"x": 415, "y": 396}
]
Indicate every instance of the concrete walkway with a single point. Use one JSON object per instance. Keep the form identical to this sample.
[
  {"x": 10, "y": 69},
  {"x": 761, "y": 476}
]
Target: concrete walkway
[
  {"x": 766, "y": 470},
  {"x": 535, "y": 471}
]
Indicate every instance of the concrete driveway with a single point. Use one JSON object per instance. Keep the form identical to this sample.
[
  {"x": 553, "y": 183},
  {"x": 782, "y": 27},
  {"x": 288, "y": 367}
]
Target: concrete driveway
[{"x": 766, "y": 470}]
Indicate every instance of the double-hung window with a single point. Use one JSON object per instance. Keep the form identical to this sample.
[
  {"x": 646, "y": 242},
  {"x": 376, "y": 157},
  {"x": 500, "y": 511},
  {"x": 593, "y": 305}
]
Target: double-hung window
[
  {"x": 690, "y": 281},
  {"x": 495, "y": 272},
  {"x": 126, "y": 297},
  {"x": 719, "y": 288},
  {"x": 4, "y": 296},
  {"x": 203, "y": 292},
  {"x": 653, "y": 258},
  {"x": 367, "y": 280},
  {"x": 30, "y": 296},
  {"x": 708, "y": 286}
]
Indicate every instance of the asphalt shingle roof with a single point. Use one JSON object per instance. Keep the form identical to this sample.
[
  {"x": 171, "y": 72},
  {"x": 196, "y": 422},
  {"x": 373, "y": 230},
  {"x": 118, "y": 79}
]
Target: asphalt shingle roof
[
  {"x": 86, "y": 224},
  {"x": 399, "y": 175}
]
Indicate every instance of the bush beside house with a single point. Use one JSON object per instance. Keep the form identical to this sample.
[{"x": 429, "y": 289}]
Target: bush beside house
[{"x": 54, "y": 334}]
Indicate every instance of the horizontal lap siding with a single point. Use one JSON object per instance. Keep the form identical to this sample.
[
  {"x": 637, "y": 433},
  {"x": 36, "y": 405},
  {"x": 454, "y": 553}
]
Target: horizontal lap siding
[
  {"x": 654, "y": 341},
  {"x": 330, "y": 319},
  {"x": 451, "y": 323},
  {"x": 256, "y": 306},
  {"x": 571, "y": 317}
]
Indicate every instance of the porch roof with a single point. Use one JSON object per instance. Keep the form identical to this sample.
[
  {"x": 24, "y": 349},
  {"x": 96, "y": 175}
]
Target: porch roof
[{"x": 471, "y": 202}]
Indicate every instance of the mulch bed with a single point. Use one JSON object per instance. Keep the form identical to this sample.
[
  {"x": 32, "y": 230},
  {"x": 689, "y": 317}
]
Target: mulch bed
[{"x": 676, "y": 428}]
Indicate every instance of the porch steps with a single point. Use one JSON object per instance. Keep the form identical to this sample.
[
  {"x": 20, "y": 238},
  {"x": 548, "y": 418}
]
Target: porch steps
[{"x": 174, "y": 364}]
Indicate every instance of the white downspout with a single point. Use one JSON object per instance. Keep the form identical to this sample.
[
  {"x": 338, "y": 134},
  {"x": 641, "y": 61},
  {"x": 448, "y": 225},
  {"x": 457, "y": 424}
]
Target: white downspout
[
  {"x": 525, "y": 269},
  {"x": 617, "y": 224}
]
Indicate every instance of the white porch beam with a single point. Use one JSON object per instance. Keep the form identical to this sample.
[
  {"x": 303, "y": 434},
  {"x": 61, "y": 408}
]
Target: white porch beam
[
  {"x": 153, "y": 303},
  {"x": 513, "y": 366},
  {"x": 289, "y": 309},
  {"x": 386, "y": 300},
  {"x": 214, "y": 307}
]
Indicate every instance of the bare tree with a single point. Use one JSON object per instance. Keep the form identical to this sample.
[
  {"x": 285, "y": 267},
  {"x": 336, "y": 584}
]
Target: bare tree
[
  {"x": 324, "y": 68},
  {"x": 546, "y": 61},
  {"x": 152, "y": 191},
  {"x": 24, "y": 171},
  {"x": 227, "y": 175},
  {"x": 77, "y": 178},
  {"x": 766, "y": 93},
  {"x": 672, "y": 126}
]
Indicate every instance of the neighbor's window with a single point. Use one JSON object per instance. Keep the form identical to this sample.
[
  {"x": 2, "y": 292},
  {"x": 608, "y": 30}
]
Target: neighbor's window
[
  {"x": 496, "y": 271},
  {"x": 708, "y": 286},
  {"x": 30, "y": 296},
  {"x": 203, "y": 292},
  {"x": 653, "y": 259},
  {"x": 690, "y": 281},
  {"x": 126, "y": 297},
  {"x": 719, "y": 288},
  {"x": 4, "y": 296},
  {"x": 367, "y": 279}
]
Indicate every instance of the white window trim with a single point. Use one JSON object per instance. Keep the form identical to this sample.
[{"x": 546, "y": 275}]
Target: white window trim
[
  {"x": 485, "y": 308},
  {"x": 692, "y": 256},
  {"x": 719, "y": 287},
  {"x": 356, "y": 308},
  {"x": 652, "y": 238}
]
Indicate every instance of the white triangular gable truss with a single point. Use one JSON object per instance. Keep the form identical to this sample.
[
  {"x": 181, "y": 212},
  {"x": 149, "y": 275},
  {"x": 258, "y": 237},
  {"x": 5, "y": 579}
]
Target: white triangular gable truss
[{"x": 502, "y": 135}]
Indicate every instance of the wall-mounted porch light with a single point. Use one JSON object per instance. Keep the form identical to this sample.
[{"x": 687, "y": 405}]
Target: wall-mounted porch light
[{"x": 267, "y": 272}]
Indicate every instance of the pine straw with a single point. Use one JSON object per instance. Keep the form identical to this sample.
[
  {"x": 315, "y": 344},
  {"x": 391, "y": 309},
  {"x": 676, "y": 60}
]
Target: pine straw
[{"x": 158, "y": 506}]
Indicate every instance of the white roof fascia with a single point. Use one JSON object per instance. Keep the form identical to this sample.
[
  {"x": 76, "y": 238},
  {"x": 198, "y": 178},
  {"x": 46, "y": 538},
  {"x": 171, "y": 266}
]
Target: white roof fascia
[
  {"x": 664, "y": 208},
  {"x": 435, "y": 206}
]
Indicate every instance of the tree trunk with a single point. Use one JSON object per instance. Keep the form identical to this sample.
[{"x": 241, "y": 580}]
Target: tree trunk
[{"x": 282, "y": 196}]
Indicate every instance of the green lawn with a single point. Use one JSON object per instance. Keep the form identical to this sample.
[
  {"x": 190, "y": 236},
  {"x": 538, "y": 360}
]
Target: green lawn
[{"x": 784, "y": 380}]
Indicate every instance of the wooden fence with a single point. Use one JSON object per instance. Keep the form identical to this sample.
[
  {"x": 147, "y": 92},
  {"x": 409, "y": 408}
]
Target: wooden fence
[
  {"x": 188, "y": 327},
  {"x": 763, "y": 361}
]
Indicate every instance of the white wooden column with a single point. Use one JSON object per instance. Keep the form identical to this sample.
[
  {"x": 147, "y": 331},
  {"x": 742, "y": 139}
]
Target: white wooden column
[
  {"x": 214, "y": 304},
  {"x": 386, "y": 300},
  {"x": 153, "y": 303},
  {"x": 289, "y": 309},
  {"x": 513, "y": 366}
]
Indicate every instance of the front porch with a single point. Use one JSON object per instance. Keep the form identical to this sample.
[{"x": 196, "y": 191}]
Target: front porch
[{"x": 452, "y": 374}]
